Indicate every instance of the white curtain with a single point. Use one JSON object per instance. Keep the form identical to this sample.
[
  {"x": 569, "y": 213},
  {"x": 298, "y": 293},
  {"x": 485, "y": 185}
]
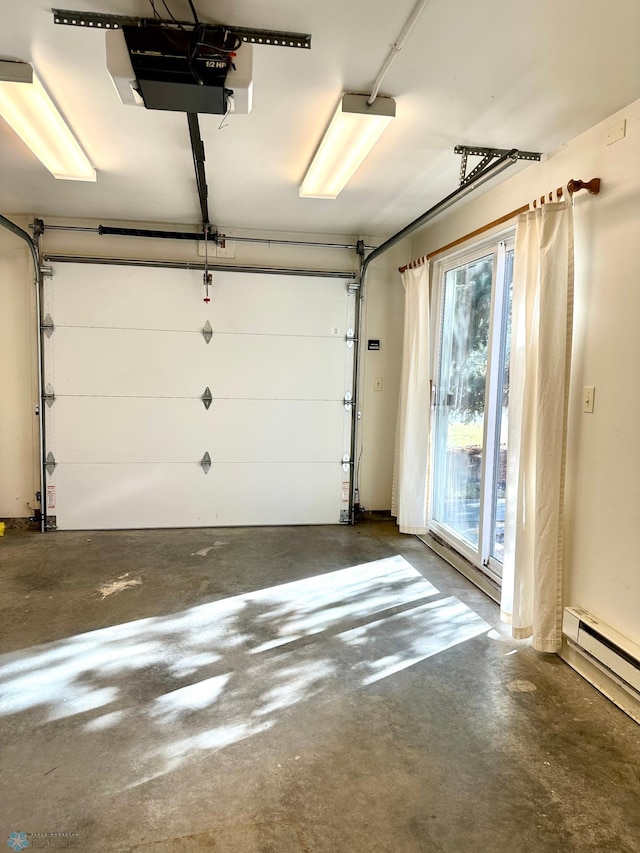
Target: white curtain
[
  {"x": 538, "y": 395},
  {"x": 409, "y": 502}
]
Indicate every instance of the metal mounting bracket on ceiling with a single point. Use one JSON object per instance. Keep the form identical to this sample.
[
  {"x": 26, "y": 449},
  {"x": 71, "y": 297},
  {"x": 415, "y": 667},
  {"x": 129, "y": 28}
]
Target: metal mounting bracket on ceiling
[
  {"x": 487, "y": 154},
  {"x": 103, "y": 21},
  {"x": 207, "y": 397},
  {"x": 207, "y": 332},
  {"x": 205, "y": 463}
]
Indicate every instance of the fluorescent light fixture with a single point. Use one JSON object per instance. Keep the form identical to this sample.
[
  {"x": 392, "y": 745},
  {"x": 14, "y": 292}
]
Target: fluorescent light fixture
[
  {"x": 28, "y": 109},
  {"x": 353, "y": 131}
]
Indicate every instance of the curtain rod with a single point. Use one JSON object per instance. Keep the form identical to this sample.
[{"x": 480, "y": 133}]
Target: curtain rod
[{"x": 574, "y": 185}]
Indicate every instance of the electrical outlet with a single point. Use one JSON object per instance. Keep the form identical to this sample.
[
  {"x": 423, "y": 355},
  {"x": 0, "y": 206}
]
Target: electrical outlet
[
  {"x": 587, "y": 398},
  {"x": 377, "y": 383}
]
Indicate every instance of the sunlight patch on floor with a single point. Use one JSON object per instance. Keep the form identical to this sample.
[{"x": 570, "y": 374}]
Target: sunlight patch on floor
[{"x": 220, "y": 672}]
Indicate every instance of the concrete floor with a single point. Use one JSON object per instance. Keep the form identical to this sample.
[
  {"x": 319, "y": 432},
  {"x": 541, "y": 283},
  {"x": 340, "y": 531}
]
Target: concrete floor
[{"x": 214, "y": 690}]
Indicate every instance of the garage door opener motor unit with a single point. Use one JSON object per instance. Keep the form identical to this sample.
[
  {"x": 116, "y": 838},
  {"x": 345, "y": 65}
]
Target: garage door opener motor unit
[{"x": 203, "y": 70}]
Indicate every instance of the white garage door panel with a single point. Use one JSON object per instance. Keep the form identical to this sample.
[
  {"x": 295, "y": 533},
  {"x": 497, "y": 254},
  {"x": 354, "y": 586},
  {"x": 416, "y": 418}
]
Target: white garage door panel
[
  {"x": 143, "y": 298},
  {"x": 126, "y": 297},
  {"x": 285, "y": 305},
  {"x": 111, "y": 497},
  {"x": 116, "y": 362},
  {"x": 259, "y": 367},
  {"x": 152, "y": 430},
  {"x": 129, "y": 365}
]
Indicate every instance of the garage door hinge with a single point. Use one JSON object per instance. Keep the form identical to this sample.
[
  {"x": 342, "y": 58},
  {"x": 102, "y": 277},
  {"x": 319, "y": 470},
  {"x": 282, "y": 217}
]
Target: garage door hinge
[
  {"x": 207, "y": 397},
  {"x": 352, "y": 286},
  {"x": 50, "y": 463},
  {"x": 344, "y": 516},
  {"x": 346, "y": 462},
  {"x": 207, "y": 332},
  {"x": 49, "y": 395},
  {"x": 50, "y": 523},
  {"x": 47, "y": 325},
  {"x": 205, "y": 463},
  {"x": 348, "y": 400},
  {"x": 350, "y": 337},
  {"x": 46, "y": 272}
]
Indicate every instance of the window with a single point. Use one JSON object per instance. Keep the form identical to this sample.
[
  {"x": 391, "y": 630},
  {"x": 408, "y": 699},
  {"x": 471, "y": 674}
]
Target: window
[{"x": 472, "y": 291}]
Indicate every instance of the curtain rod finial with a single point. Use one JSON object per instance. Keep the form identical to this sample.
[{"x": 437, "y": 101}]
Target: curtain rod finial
[{"x": 592, "y": 186}]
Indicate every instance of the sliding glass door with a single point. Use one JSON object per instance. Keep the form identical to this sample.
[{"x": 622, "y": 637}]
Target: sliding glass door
[
  {"x": 471, "y": 402},
  {"x": 498, "y": 483}
]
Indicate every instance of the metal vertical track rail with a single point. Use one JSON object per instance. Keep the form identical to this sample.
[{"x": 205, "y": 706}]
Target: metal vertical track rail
[
  {"x": 355, "y": 412},
  {"x": 37, "y": 272}
]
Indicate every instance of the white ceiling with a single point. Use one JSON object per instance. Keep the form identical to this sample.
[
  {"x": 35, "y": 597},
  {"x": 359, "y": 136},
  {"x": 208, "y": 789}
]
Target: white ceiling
[{"x": 500, "y": 73}]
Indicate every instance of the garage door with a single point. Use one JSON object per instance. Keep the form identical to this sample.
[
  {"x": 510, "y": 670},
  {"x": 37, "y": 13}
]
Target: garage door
[{"x": 130, "y": 361}]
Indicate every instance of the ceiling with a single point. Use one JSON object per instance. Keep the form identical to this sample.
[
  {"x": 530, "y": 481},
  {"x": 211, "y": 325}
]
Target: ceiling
[{"x": 494, "y": 73}]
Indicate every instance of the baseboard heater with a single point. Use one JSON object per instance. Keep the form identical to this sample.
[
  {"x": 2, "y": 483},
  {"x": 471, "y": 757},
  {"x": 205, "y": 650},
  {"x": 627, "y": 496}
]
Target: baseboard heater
[{"x": 612, "y": 653}]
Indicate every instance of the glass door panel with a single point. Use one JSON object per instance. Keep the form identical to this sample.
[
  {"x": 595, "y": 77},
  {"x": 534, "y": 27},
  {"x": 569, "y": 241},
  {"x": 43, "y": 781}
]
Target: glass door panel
[
  {"x": 460, "y": 399},
  {"x": 499, "y": 486}
]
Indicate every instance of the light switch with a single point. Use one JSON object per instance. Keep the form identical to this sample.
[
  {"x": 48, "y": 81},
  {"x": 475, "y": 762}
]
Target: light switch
[{"x": 587, "y": 398}]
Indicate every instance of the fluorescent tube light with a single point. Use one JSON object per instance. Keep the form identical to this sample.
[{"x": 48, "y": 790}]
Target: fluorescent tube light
[
  {"x": 28, "y": 109},
  {"x": 353, "y": 131}
]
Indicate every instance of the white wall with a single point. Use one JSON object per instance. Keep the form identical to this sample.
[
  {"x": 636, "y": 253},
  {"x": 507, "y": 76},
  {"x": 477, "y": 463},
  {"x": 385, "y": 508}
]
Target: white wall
[
  {"x": 383, "y": 321},
  {"x": 19, "y": 466},
  {"x": 19, "y": 478},
  {"x": 602, "y": 533}
]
